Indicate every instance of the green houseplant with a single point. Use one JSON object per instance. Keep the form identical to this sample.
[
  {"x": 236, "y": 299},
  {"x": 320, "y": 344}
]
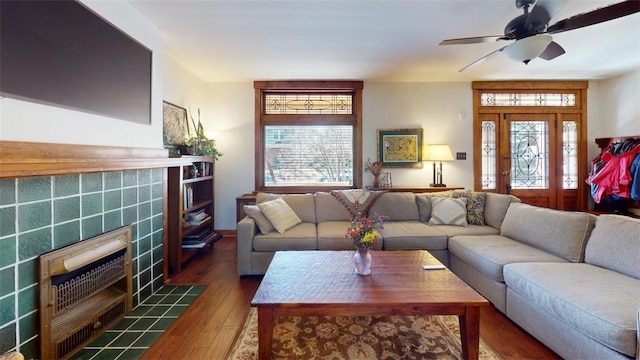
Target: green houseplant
[{"x": 200, "y": 144}]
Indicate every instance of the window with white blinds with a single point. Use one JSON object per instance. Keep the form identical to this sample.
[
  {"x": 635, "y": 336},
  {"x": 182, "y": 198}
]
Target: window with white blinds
[{"x": 316, "y": 155}]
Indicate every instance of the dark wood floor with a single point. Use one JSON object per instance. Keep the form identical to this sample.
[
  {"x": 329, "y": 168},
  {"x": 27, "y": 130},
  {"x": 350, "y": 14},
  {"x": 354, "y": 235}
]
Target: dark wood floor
[{"x": 207, "y": 329}]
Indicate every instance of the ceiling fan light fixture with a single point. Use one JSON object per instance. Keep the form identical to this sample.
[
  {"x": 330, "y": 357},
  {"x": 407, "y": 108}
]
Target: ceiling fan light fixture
[{"x": 524, "y": 50}]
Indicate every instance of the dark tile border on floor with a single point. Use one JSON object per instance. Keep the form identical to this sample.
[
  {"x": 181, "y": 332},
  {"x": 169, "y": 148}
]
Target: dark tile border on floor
[{"x": 136, "y": 332}]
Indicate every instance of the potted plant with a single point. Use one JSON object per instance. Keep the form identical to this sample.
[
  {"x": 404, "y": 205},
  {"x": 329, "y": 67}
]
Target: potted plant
[{"x": 200, "y": 144}]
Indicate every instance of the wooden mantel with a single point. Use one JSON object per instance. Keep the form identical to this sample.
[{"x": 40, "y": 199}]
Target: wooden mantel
[{"x": 24, "y": 159}]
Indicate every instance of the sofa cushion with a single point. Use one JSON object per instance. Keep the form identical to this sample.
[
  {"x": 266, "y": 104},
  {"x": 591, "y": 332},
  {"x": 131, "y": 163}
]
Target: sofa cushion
[
  {"x": 477, "y": 230},
  {"x": 597, "y": 302},
  {"x": 396, "y": 206},
  {"x": 489, "y": 254},
  {"x": 621, "y": 252},
  {"x": 562, "y": 233},
  {"x": 448, "y": 211},
  {"x": 328, "y": 208},
  {"x": 302, "y": 204},
  {"x": 331, "y": 236},
  {"x": 412, "y": 235},
  {"x": 300, "y": 237},
  {"x": 253, "y": 211},
  {"x": 495, "y": 208},
  {"x": 280, "y": 214}
]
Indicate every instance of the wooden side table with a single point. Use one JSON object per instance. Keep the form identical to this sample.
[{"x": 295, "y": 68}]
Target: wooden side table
[{"x": 244, "y": 199}]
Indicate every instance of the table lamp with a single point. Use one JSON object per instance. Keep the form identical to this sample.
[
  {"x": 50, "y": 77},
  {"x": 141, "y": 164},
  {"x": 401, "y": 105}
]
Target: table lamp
[{"x": 438, "y": 153}]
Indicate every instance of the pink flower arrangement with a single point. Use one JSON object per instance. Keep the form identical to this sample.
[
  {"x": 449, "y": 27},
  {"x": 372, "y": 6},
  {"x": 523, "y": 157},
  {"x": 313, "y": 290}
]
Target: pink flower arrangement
[{"x": 363, "y": 231}]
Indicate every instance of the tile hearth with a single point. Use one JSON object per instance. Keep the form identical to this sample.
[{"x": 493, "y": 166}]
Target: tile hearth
[{"x": 136, "y": 332}]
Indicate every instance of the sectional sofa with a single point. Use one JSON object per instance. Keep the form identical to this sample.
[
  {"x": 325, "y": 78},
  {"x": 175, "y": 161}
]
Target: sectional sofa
[{"x": 570, "y": 279}]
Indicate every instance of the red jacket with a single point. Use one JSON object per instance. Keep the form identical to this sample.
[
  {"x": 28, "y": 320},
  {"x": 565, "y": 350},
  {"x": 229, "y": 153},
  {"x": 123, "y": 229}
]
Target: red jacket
[{"x": 614, "y": 177}]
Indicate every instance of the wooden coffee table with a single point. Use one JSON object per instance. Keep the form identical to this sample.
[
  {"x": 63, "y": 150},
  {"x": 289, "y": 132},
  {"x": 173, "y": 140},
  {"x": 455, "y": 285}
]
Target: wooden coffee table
[{"x": 323, "y": 283}]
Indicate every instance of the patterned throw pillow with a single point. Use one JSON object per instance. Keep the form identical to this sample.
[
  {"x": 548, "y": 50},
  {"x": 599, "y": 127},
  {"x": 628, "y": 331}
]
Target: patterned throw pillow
[
  {"x": 448, "y": 211},
  {"x": 253, "y": 211},
  {"x": 280, "y": 214},
  {"x": 424, "y": 203},
  {"x": 475, "y": 206}
]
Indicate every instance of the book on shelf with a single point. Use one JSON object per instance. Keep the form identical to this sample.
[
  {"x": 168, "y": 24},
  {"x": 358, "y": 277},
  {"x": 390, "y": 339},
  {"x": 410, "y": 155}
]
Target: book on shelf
[
  {"x": 188, "y": 196},
  {"x": 195, "y": 216},
  {"x": 198, "y": 235},
  {"x": 200, "y": 222},
  {"x": 198, "y": 245},
  {"x": 202, "y": 242}
]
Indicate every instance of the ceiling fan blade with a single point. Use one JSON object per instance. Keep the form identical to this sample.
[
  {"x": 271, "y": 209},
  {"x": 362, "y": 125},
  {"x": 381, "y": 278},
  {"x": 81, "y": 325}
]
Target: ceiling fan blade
[
  {"x": 552, "y": 51},
  {"x": 596, "y": 16},
  {"x": 471, "y": 40},
  {"x": 543, "y": 11},
  {"x": 481, "y": 59}
]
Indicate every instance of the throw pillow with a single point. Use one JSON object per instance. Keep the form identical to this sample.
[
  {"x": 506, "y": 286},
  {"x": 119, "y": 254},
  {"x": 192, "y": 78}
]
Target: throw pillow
[
  {"x": 448, "y": 211},
  {"x": 424, "y": 203},
  {"x": 475, "y": 206},
  {"x": 280, "y": 214},
  {"x": 253, "y": 211}
]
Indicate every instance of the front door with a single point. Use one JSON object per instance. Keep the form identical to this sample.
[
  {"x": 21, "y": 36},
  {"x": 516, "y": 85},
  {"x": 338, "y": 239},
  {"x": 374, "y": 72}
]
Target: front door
[
  {"x": 530, "y": 141},
  {"x": 529, "y": 158}
]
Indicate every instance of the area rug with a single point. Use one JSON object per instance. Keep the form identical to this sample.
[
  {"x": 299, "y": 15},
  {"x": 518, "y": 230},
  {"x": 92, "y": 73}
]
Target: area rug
[{"x": 357, "y": 337}]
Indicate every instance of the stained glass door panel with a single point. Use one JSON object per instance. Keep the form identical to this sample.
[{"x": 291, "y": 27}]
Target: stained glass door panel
[
  {"x": 529, "y": 154},
  {"x": 529, "y": 157}
]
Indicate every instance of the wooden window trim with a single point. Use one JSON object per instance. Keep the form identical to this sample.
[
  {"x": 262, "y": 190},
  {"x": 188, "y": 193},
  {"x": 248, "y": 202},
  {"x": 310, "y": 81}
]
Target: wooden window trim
[
  {"x": 577, "y": 87},
  {"x": 312, "y": 86}
]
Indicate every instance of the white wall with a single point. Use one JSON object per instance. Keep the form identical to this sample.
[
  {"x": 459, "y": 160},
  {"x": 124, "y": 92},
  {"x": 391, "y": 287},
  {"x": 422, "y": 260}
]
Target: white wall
[
  {"x": 28, "y": 121},
  {"x": 614, "y": 108},
  {"x": 619, "y": 99},
  {"x": 230, "y": 119},
  {"x": 183, "y": 88},
  {"x": 442, "y": 110}
]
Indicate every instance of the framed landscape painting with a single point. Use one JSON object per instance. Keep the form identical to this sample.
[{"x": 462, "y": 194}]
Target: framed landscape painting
[
  {"x": 400, "y": 147},
  {"x": 175, "y": 129}
]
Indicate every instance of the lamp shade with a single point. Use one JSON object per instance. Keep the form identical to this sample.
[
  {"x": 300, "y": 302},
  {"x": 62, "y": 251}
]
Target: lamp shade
[
  {"x": 438, "y": 152},
  {"x": 528, "y": 48}
]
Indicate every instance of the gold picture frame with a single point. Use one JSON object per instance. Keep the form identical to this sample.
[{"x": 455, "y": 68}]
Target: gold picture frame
[{"x": 400, "y": 147}]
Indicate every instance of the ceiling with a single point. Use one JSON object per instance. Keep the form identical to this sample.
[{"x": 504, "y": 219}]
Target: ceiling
[{"x": 378, "y": 40}]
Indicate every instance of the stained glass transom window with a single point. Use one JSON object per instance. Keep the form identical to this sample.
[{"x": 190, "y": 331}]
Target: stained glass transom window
[
  {"x": 518, "y": 99},
  {"x": 488, "y": 155},
  {"x": 308, "y": 104},
  {"x": 569, "y": 155},
  {"x": 529, "y": 155}
]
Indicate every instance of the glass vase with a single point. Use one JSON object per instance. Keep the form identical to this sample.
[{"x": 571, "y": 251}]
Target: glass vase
[{"x": 362, "y": 260}]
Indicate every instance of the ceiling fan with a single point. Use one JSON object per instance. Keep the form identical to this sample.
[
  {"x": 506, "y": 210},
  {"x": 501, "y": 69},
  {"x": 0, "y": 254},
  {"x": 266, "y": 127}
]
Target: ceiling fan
[{"x": 532, "y": 32}]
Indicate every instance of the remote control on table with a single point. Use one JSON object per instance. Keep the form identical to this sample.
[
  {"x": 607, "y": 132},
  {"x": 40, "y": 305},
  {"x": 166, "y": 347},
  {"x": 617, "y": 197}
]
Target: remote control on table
[{"x": 434, "y": 267}]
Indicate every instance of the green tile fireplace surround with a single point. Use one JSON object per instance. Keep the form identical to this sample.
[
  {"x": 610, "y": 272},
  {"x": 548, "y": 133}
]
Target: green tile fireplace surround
[{"x": 39, "y": 214}]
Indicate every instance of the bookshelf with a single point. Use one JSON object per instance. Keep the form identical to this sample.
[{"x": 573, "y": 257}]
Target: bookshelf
[{"x": 190, "y": 213}]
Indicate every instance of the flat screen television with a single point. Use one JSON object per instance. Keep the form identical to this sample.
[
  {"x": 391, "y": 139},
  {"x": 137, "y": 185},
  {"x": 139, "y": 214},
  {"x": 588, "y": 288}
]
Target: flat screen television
[{"x": 63, "y": 54}]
